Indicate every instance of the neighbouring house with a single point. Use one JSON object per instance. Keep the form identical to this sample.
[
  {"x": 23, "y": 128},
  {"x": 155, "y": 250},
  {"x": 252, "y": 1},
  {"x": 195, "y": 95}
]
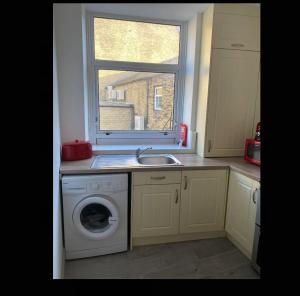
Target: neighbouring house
[{"x": 136, "y": 100}]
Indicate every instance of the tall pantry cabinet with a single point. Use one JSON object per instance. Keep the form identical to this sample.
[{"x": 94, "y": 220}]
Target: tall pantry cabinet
[{"x": 228, "y": 100}]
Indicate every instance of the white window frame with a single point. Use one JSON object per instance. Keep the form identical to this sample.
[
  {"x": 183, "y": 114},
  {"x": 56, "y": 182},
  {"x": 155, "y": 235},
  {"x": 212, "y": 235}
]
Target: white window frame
[
  {"x": 156, "y": 97},
  {"x": 98, "y": 136}
]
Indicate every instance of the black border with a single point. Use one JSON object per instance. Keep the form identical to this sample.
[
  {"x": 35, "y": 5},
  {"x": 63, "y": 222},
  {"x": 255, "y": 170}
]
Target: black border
[{"x": 278, "y": 43}]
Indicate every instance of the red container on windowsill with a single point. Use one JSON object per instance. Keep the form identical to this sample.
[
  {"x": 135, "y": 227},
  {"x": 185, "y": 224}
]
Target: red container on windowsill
[
  {"x": 76, "y": 150},
  {"x": 183, "y": 134}
]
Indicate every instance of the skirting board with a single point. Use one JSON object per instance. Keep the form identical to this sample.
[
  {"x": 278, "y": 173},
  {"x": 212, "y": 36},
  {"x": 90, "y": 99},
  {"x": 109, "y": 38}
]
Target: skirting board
[{"x": 142, "y": 241}]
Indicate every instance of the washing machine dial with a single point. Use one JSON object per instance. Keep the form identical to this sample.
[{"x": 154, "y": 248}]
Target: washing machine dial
[{"x": 95, "y": 186}]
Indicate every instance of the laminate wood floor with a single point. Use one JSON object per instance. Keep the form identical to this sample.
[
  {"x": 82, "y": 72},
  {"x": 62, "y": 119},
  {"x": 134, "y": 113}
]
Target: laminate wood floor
[{"x": 201, "y": 259}]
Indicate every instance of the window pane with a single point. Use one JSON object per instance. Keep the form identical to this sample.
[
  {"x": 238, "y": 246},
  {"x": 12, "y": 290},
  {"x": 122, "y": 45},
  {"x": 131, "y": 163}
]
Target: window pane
[
  {"x": 158, "y": 91},
  {"x": 129, "y": 41},
  {"x": 136, "y": 109},
  {"x": 158, "y": 102}
]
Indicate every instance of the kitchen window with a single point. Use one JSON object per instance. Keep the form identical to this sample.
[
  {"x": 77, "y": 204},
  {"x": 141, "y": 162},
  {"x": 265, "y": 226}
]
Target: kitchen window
[{"x": 124, "y": 70}]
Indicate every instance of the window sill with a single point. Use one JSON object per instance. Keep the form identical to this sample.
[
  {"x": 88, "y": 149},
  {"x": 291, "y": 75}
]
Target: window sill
[{"x": 130, "y": 149}]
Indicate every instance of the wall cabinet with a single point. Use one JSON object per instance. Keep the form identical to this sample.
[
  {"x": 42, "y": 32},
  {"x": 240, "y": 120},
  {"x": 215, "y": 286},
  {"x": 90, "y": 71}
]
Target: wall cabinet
[
  {"x": 234, "y": 31},
  {"x": 203, "y": 200},
  {"x": 228, "y": 80},
  {"x": 241, "y": 211},
  {"x": 231, "y": 105}
]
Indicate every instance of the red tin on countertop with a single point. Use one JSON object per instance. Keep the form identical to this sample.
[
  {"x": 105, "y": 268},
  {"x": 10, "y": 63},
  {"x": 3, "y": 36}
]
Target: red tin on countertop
[{"x": 76, "y": 150}]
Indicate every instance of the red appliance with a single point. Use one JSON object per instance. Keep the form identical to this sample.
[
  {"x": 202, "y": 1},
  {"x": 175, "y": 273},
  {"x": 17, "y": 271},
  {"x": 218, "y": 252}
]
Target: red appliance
[
  {"x": 252, "y": 151},
  {"x": 183, "y": 133},
  {"x": 76, "y": 150}
]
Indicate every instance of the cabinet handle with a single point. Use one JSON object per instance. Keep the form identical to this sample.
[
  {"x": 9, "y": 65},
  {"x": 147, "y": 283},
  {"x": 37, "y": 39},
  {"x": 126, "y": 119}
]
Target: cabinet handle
[
  {"x": 176, "y": 201},
  {"x": 158, "y": 178},
  {"x": 185, "y": 182},
  {"x": 253, "y": 196},
  {"x": 237, "y": 45},
  {"x": 209, "y": 145}
]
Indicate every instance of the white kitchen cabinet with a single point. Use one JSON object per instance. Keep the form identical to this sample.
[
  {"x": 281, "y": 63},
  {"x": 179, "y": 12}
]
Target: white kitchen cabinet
[
  {"x": 157, "y": 178},
  {"x": 241, "y": 211},
  {"x": 191, "y": 208},
  {"x": 203, "y": 200},
  {"x": 234, "y": 31},
  {"x": 228, "y": 79},
  {"x": 155, "y": 210},
  {"x": 231, "y": 105}
]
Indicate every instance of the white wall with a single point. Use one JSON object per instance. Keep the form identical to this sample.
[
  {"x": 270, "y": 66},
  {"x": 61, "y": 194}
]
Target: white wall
[
  {"x": 192, "y": 74},
  {"x": 165, "y": 11},
  {"x": 58, "y": 251},
  {"x": 70, "y": 67},
  {"x": 85, "y": 71}
]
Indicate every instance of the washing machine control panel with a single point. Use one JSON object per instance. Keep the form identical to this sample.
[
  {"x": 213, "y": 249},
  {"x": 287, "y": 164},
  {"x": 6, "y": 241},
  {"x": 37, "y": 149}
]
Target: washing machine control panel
[
  {"x": 94, "y": 186},
  {"x": 106, "y": 186}
]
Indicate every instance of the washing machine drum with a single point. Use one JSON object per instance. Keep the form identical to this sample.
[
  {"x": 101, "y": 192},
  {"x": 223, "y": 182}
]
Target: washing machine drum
[{"x": 95, "y": 217}]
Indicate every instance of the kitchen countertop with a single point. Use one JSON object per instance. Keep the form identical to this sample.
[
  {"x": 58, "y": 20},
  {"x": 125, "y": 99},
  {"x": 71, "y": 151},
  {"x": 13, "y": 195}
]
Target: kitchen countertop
[{"x": 127, "y": 163}]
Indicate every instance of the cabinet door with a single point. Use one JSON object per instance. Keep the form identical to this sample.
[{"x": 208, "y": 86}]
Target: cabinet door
[
  {"x": 252, "y": 215},
  {"x": 203, "y": 199},
  {"x": 231, "y": 101},
  {"x": 241, "y": 210},
  {"x": 233, "y": 31},
  {"x": 155, "y": 210}
]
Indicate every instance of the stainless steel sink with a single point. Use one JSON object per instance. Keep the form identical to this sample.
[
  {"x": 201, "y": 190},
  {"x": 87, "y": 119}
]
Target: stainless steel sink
[{"x": 158, "y": 160}]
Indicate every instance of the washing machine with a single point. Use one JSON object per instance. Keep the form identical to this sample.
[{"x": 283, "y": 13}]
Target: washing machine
[{"x": 95, "y": 214}]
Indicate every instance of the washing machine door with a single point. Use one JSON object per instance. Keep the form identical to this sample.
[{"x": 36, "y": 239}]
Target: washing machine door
[{"x": 95, "y": 217}]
